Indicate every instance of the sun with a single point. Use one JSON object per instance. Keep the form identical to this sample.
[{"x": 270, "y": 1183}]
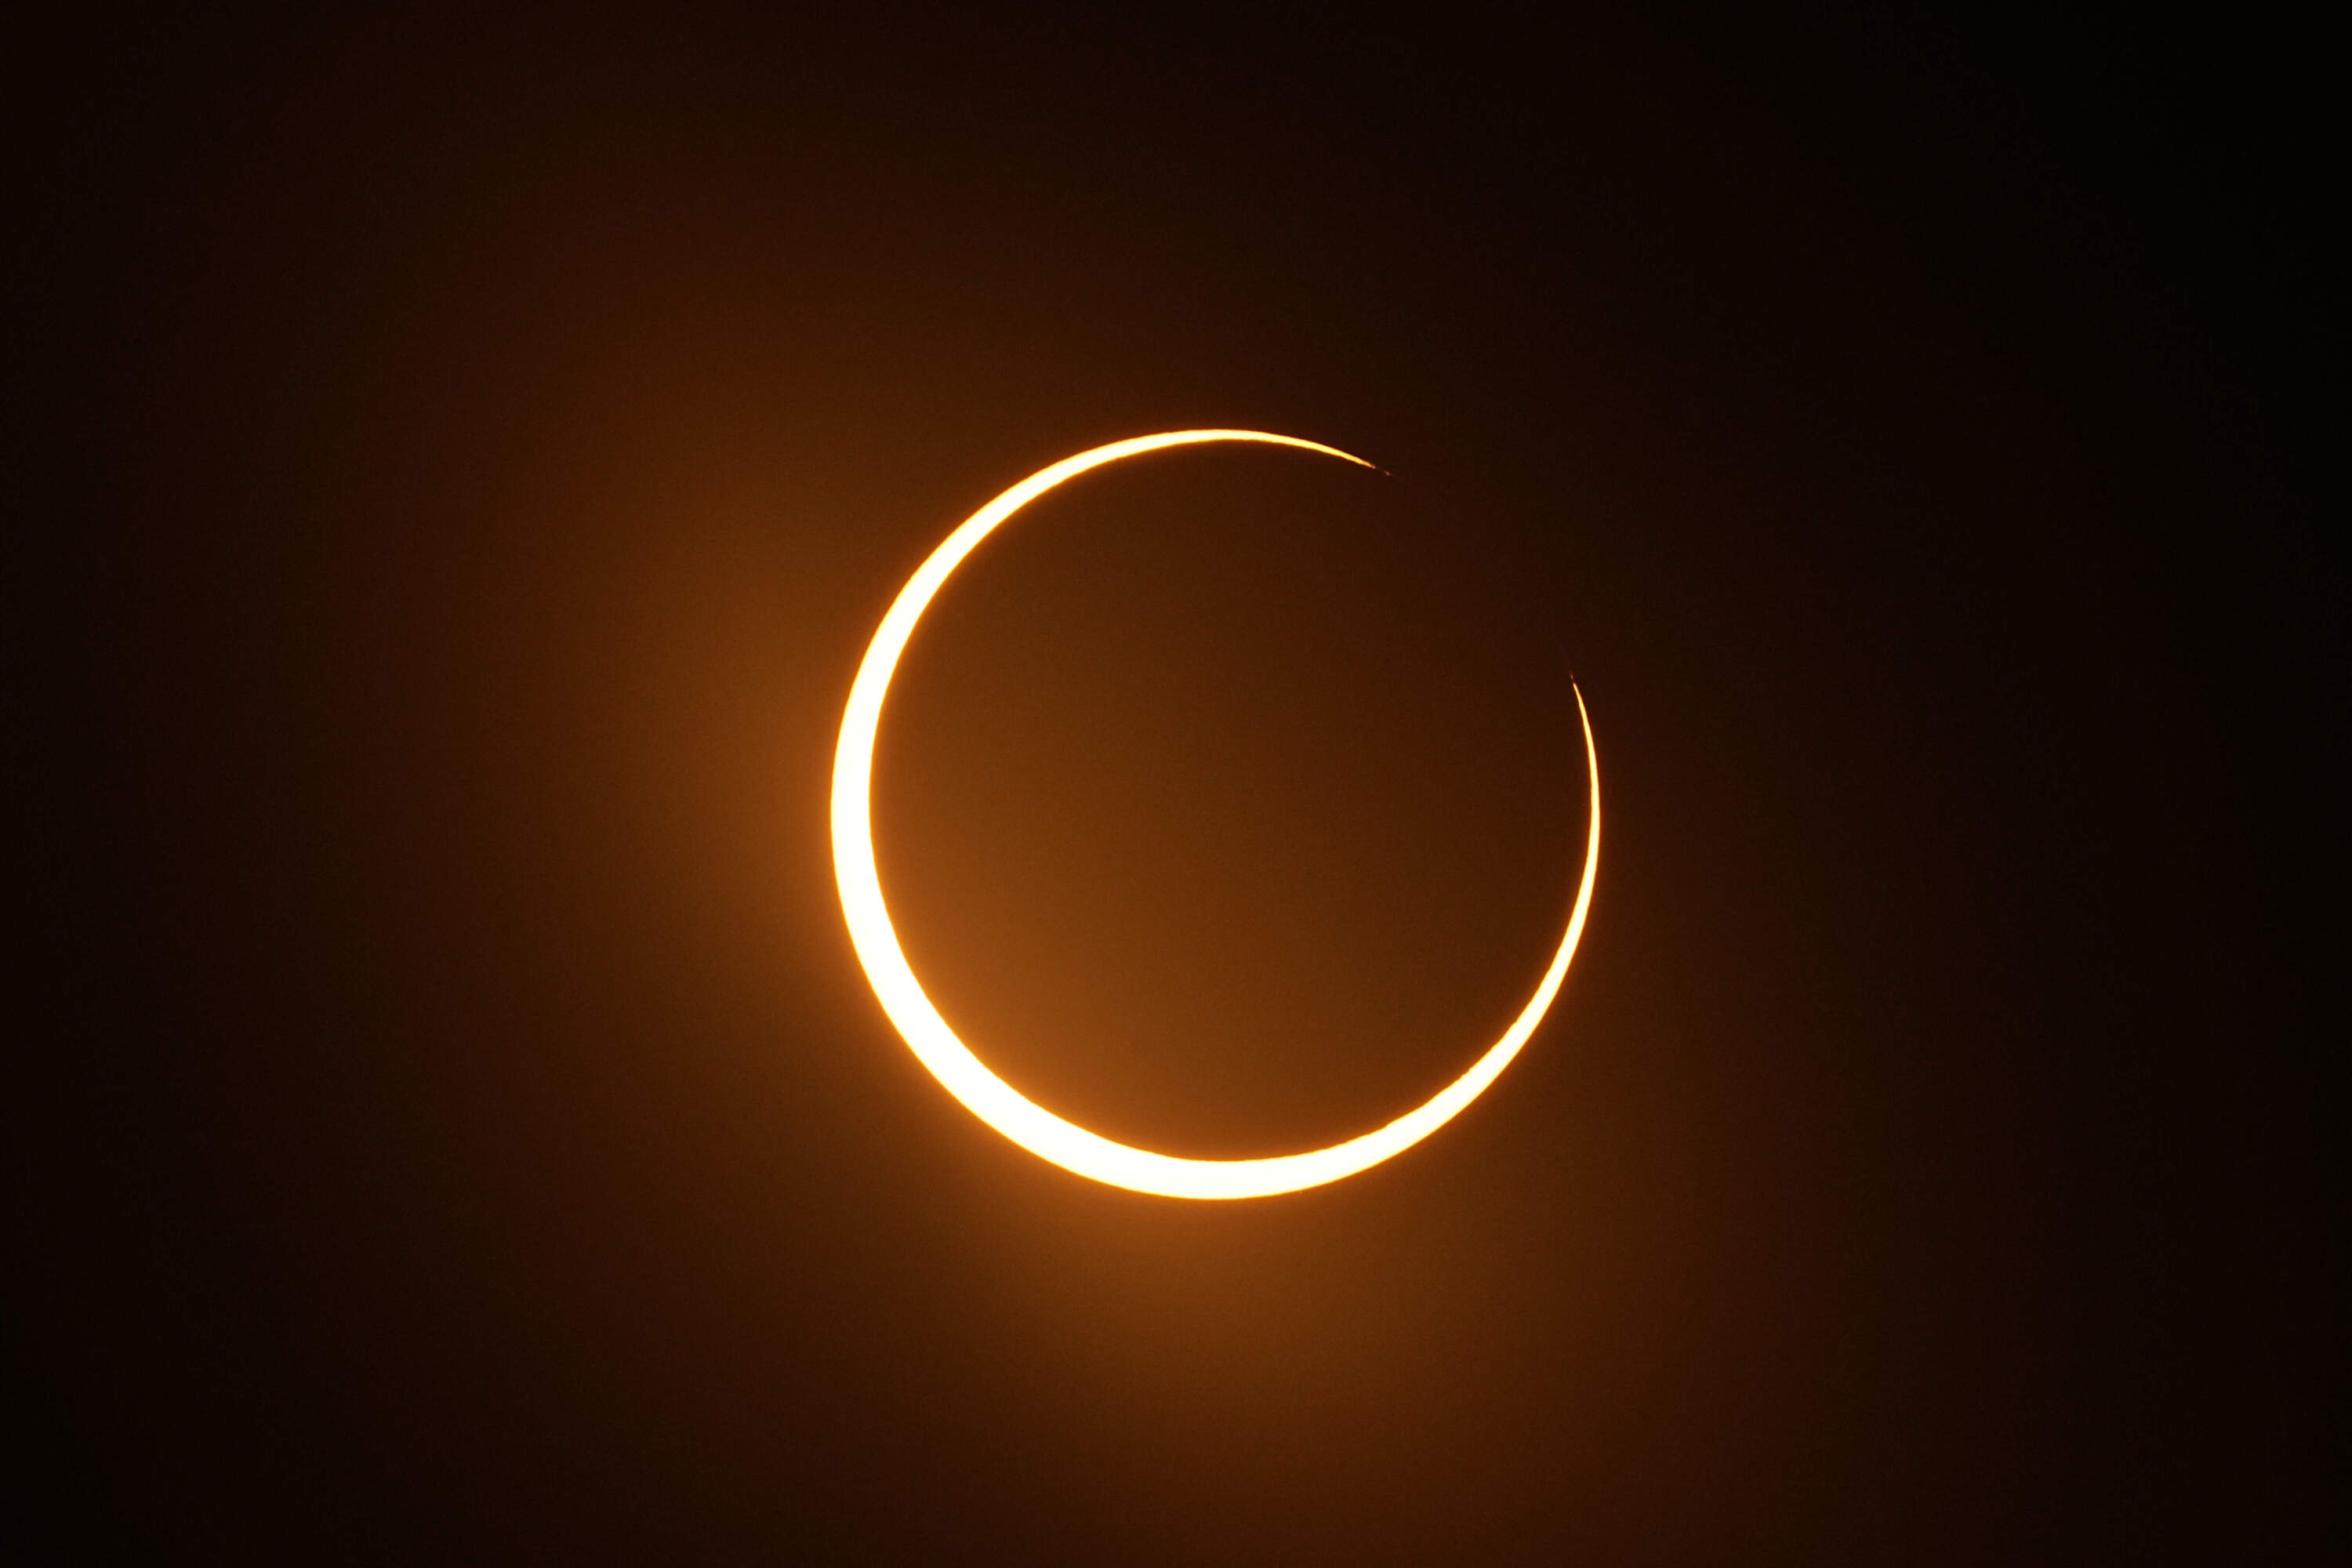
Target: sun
[{"x": 949, "y": 1060}]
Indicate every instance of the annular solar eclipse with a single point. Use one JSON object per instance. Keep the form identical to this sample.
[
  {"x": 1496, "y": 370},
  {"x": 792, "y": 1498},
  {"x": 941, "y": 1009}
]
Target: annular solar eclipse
[{"x": 963, "y": 1074}]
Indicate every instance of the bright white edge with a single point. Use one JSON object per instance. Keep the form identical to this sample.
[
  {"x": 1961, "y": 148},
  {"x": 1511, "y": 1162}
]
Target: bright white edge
[{"x": 990, "y": 1097}]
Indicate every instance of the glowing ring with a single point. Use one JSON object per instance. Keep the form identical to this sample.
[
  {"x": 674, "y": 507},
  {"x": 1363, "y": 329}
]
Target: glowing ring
[{"x": 984, "y": 1094}]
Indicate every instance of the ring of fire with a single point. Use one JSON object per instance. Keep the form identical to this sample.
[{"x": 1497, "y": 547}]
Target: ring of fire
[{"x": 984, "y": 1094}]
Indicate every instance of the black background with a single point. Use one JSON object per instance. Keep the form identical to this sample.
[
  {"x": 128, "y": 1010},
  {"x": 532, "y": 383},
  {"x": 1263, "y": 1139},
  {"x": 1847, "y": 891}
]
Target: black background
[{"x": 461, "y": 457}]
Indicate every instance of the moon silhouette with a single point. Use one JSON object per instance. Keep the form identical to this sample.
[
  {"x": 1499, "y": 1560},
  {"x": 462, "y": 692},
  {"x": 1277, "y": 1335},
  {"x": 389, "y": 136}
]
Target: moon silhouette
[{"x": 951, "y": 1061}]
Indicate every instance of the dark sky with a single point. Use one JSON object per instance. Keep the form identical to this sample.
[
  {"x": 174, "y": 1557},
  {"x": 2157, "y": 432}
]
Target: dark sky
[{"x": 462, "y": 457}]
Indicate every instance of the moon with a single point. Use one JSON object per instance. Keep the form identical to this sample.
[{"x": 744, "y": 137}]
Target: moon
[{"x": 951, "y": 1061}]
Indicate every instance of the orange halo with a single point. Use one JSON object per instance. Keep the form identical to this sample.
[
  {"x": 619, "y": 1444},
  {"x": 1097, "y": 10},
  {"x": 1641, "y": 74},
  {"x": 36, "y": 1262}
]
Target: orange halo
[{"x": 990, "y": 1097}]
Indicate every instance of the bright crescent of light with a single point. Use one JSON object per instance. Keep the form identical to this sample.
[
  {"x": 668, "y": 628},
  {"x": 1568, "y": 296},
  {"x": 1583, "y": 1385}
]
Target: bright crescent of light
[{"x": 988, "y": 1097}]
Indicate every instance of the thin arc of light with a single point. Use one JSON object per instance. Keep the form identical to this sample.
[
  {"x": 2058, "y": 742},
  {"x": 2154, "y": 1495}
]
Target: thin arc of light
[{"x": 949, "y": 1060}]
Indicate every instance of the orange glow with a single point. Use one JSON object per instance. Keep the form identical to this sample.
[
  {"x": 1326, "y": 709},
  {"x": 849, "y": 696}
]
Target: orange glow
[{"x": 990, "y": 1097}]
